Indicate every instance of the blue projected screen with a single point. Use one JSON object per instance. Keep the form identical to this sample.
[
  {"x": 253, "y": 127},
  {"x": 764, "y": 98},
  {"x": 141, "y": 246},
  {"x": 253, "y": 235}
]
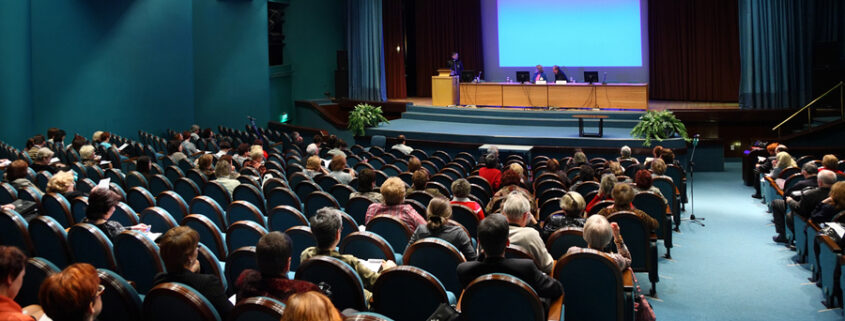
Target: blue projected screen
[{"x": 604, "y": 33}]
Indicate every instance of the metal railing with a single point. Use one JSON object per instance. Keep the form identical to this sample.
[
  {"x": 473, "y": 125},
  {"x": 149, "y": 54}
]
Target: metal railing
[{"x": 840, "y": 86}]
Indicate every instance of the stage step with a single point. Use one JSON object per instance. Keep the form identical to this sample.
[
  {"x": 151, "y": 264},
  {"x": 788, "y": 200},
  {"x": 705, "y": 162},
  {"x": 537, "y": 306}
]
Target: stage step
[{"x": 520, "y": 120}]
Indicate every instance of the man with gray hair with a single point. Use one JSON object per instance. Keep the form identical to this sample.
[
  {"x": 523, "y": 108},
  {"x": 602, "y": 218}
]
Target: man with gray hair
[
  {"x": 517, "y": 209},
  {"x": 625, "y": 154},
  {"x": 809, "y": 171},
  {"x": 809, "y": 199}
]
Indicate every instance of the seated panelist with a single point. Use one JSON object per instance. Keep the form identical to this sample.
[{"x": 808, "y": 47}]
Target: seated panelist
[
  {"x": 559, "y": 74},
  {"x": 539, "y": 74}
]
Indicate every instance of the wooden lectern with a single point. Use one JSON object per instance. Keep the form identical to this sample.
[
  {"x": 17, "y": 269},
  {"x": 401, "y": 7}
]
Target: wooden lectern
[{"x": 444, "y": 88}]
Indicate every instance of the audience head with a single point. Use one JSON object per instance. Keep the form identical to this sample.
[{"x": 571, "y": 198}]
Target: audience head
[
  {"x": 781, "y": 148},
  {"x": 178, "y": 248},
  {"x": 830, "y": 162},
  {"x": 310, "y": 306},
  {"x": 784, "y": 160},
  {"x": 587, "y": 173},
  {"x": 338, "y": 163},
  {"x": 461, "y": 188},
  {"x": 615, "y": 168},
  {"x": 658, "y": 166},
  {"x": 296, "y": 137},
  {"x": 414, "y": 164},
  {"x": 272, "y": 253},
  {"x": 61, "y": 182},
  {"x": 573, "y": 204},
  {"x": 86, "y": 153},
  {"x": 668, "y": 156},
  {"x": 12, "y": 264},
  {"x": 493, "y": 234},
  {"x": 173, "y": 146},
  {"x": 400, "y": 139},
  {"x": 553, "y": 165},
  {"x": 826, "y": 178},
  {"x": 837, "y": 194},
  {"x": 597, "y": 232},
  {"x": 579, "y": 158},
  {"x": 420, "y": 178},
  {"x": 38, "y": 140},
  {"x": 17, "y": 169},
  {"x": 204, "y": 163},
  {"x": 101, "y": 204},
  {"x": 59, "y": 136},
  {"x": 643, "y": 179},
  {"x": 493, "y": 150},
  {"x": 186, "y": 135},
  {"x": 318, "y": 139},
  {"x": 516, "y": 208},
  {"x": 77, "y": 142},
  {"x": 223, "y": 169},
  {"x": 809, "y": 169},
  {"x": 44, "y": 155},
  {"x": 143, "y": 164},
  {"x": 623, "y": 195},
  {"x": 105, "y": 136},
  {"x": 491, "y": 161},
  {"x": 516, "y": 167},
  {"x": 243, "y": 149},
  {"x": 366, "y": 180},
  {"x": 438, "y": 212},
  {"x": 326, "y": 225},
  {"x": 657, "y": 151},
  {"x": 607, "y": 183},
  {"x": 509, "y": 177},
  {"x": 771, "y": 148},
  {"x": 51, "y": 132},
  {"x": 393, "y": 191},
  {"x": 256, "y": 154},
  {"x": 314, "y": 163},
  {"x": 195, "y": 128},
  {"x": 73, "y": 294},
  {"x": 625, "y": 152},
  {"x": 225, "y": 145},
  {"x": 207, "y": 133}
]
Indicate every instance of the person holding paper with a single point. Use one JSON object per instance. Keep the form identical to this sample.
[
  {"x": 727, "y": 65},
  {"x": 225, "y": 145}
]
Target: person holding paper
[
  {"x": 539, "y": 75},
  {"x": 101, "y": 206},
  {"x": 44, "y": 161},
  {"x": 559, "y": 74}
]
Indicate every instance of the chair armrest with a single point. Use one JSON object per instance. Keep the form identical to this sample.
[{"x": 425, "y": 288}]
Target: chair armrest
[
  {"x": 556, "y": 309},
  {"x": 460, "y": 298},
  {"x": 628, "y": 280},
  {"x": 812, "y": 224},
  {"x": 830, "y": 243},
  {"x": 652, "y": 237}
]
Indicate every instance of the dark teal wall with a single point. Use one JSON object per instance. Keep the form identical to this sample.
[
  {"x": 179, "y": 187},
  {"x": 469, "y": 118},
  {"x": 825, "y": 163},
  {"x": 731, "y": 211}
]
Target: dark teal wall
[
  {"x": 118, "y": 65},
  {"x": 231, "y": 68},
  {"x": 15, "y": 90}
]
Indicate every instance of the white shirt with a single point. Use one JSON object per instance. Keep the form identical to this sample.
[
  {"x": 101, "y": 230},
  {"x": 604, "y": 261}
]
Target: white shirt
[{"x": 405, "y": 149}]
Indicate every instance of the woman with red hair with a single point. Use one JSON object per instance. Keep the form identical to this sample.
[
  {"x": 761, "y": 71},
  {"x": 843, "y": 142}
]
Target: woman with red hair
[
  {"x": 73, "y": 294},
  {"x": 310, "y": 306},
  {"x": 643, "y": 183}
]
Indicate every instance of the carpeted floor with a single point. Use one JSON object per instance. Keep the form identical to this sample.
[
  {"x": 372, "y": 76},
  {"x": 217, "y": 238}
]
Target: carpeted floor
[{"x": 730, "y": 269}]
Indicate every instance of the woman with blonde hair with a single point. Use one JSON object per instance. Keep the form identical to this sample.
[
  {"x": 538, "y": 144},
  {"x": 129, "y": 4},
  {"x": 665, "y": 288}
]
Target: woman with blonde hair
[
  {"x": 782, "y": 161},
  {"x": 223, "y": 171},
  {"x": 63, "y": 183},
  {"x": 573, "y": 205},
  {"x": 437, "y": 225},
  {"x": 314, "y": 166},
  {"x": 87, "y": 156},
  {"x": 393, "y": 191},
  {"x": 310, "y": 306}
]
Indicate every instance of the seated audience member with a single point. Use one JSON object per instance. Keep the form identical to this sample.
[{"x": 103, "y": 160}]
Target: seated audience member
[
  {"x": 77, "y": 143},
  {"x": 764, "y": 168},
  {"x": 586, "y": 174},
  {"x": 178, "y": 249},
  {"x": 553, "y": 166},
  {"x": 830, "y": 163},
  {"x": 517, "y": 167},
  {"x": 224, "y": 173},
  {"x": 437, "y": 217},
  {"x": 95, "y": 138},
  {"x": 205, "y": 164},
  {"x": 393, "y": 191},
  {"x": 63, "y": 183},
  {"x": 34, "y": 145},
  {"x": 337, "y": 148},
  {"x": 314, "y": 166},
  {"x": 75, "y": 294},
  {"x": 605, "y": 191},
  {"x": 420, "y": 180},
  {"x": 16, "y": 175},
  {"x": 578, "y": 159},
  {"x": 460, "y": 192},
  {"x": 144, "y": 166},
  {"x": 414, "y": 164},
  {"x": 573, "y": 205},
  {"x": 625, "y": 155},
  {"x": 518, "y": 212},
  {"x": 41, "y": 162},
  {"x": 272, "y": 254},
  {"x": 644, "y": 183},
  {"x": 493, "y": 239},
  {"x": 617, "y": 170},
  {"x": 810, "y": 181},
  {"x": 105, "y": 140},
  {"x": 225, "y": 147},
  {"x": 207, "y": 135},
  {"x": 298, "y": 141},
  {"x": 491, "y": 171},
  {"x": 88, "y": 157},
  {"x": 187, "y": 146},
  {"x": 339, "y": 170},
  {"x": 623, "y": 195},
  {"x": 831, "y": 205},
  {"x": 783, "y": 161},
  {"x": 400, "y": 145},
  {"x": 314, "y": 147},
  {"x": 510, "y": 183},
  {"x": 174, "y": 150},
  {"x": 194, "y": 131},
  {"x": 241, "y": 154},
  {"x": 101, "y": 206},
  {"x": 12, "y": 271},
  {"x": 598, "y": 233},
  {"x": 256, "y": 160},
  {"x": 310, "y": 306},
  {"x": 656, "y": 152},
  {"x": 367, "y": 185},
  {"x": 658, "y": 167},
  {"x": 326, "y": 226}
]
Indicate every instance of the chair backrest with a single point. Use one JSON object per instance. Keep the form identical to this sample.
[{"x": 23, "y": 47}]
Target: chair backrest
[
  {"x": 173, "y": 203},
  {"x": 585, "y": 187},
  {"x": 208, "y": 207},
  {"x": 390, "y": 293},
  {"x": 57, "y": 206},
  {"x": 346, "y": 286},
  {"x": 593, "y": 286},
  {"x": 14, "y": 231},
  {"x": 283, "y": 196},
  {"x": 210, "y": 264},
  {"x": 137, "y": 259},
  {"x": 317, "y": 200},
  {"x": 88, "y": 244},
  {"x": 124, "y": 215},
  {"x": 197, "y": 177},
  {"x": 251, "y": 194},
  {"x": 244, "y": 233},
  {"x": 654, "y": 206},
  {"x": 561, "y": 240},
  {"x": 239, "y": 260},
  {"x": 325, "y": 181},
  {"x": 41, "y": 180},
  {"x": 120, "y": 300},
  {"x": 78, "y": 206},
  {"x": 341, "y": 193},
  {"x": 167, "y": 300},
  {"x": 160, "y": 183},
  {"x": 210, "y": 234},
  {"x": 187, "y": 188},
  {"x": 466, "y": 217},
  {"x": 439, "y": 258},
  {"x": 500, "y": 297},
  {"x": 37, "y": 269},
  {"x": 30, "y": 193},
  {"x": 260, "y": 308},
  {"x": 139, "y": 198},
  {"x": 548, "y": 207},
  {"x": 245, "y": 211},
  {"x": 420, "y": 196},
  {"x": 283, "y": 217},
  {"x": 636, "y": 236},
  {"x": 357, "y": 207},
  {"x": 158, "y": 219},
  {"x": 305, "y": 188},
  {"x": 50, "y": 240},
  {"x": 396, "y": 232},
  {"x": 134, "y": 179},
  {"x": 675, "y": 172},
  {"x": 302, "y": 238},
  {"x": 173, "y": 172},
  {"x": 367, "y": 245},
  {"x": 481, "y": 181},
  {"x": 514, "y": 251},
  {"x": 599, "y": 206},
  {"x": 218, "y": 193}
]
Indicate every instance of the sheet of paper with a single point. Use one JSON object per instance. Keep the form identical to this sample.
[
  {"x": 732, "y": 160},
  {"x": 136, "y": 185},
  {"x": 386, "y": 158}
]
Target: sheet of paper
[
  {"x": 54, "y": 160},
  {"x": 122, "y": 146},
  {"x": 373, "y": 266},
  {"x": 104, "y": 183}
]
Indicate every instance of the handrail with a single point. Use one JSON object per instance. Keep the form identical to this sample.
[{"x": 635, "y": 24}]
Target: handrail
[{"x": 840, "y": 85}]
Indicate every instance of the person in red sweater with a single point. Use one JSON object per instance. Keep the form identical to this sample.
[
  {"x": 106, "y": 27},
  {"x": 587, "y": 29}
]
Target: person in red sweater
[
  {"x": 460, "y": 195},
  {"x": 830, "y": 163},
  {"x": 490, "y": 171},
  {"x": 605, "y": 189}
]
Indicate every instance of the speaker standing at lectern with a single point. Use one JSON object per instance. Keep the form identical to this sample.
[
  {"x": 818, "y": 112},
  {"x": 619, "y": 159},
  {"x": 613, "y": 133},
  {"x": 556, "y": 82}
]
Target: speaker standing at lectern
[{"x": 455, "y": 65}]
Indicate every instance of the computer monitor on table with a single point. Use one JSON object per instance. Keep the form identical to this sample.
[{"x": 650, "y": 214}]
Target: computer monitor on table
[
  {"x": 591, "y": 77},
  {"x": 467, "y": 75},
  {"x": 523, "y": 76}
]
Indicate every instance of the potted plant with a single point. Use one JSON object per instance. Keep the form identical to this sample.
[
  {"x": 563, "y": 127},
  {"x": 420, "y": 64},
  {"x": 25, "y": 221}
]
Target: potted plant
[
  {"x": 659, "y": 125},
  {"x": 363, "y": 116}
]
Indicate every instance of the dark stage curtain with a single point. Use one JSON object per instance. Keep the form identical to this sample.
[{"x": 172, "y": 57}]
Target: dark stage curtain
[
  {"x": 394, "y": 36},
  {"x": 780, "y": 40},
  {"x": 441, "y": 27},
  {"x": 693, "y": 50},
  {"x": 366, "y": 50}
]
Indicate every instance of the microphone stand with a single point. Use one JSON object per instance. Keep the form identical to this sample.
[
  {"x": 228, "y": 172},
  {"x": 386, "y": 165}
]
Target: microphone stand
[{"x": 691, "y": 167}]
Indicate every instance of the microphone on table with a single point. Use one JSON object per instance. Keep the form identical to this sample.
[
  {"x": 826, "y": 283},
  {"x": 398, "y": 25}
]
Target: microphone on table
[{"x": 478, "y": 78}]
